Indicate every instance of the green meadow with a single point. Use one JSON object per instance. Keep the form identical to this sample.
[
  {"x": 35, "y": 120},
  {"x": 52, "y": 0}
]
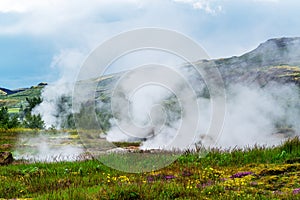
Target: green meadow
[{"x": 253, "y": 173}]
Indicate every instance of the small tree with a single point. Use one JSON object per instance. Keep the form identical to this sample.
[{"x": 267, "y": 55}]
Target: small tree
[
  {"x": 31, "y": 104},
  {"x": 63, "y": 107},
  {"x": 13, "y": 122},
  {"x": 30, "y": 120},
  {"x": 7, "y": 121},
  {"x": 34, "y": 122},
  {"x": 4, "y": 118}
]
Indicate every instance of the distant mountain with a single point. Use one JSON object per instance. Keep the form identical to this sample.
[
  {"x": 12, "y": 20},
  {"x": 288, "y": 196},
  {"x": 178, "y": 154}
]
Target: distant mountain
[
  {"x": 275, "y": 60},
  {"x": 4, "y": 91},
  {"x": 275, "y": 52}
]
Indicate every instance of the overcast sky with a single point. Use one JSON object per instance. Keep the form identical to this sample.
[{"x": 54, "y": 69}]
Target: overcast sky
[{"x": 42, "y": 39}]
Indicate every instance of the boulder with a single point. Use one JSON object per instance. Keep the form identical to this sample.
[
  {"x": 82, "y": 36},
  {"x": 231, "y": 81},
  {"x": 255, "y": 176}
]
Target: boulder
[{"x": 6, "y": 158}]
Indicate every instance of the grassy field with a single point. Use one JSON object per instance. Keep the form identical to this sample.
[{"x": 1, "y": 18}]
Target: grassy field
[
  {"x": 257, "y": 173},
  {"x": 14, "y": 110}
]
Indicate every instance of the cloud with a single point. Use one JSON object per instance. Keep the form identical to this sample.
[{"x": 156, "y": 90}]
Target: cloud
[
  {"x": 52, "y": 16},
  {"x": 213, "y": 6},
  {"x": 23, "y": 6},
  {"x": 20, "y": 6},
  {"x": 269, "y": 1},
  {"x": 237, "y": 25},
  {"x": 206, "y": 5}
]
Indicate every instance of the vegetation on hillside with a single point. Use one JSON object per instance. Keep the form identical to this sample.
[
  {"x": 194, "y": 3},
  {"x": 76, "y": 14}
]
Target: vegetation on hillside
[
  {"x": 8, "y": 121},
  {"x": 17, "y": 99},
  {"x": 24, "y": 118}
]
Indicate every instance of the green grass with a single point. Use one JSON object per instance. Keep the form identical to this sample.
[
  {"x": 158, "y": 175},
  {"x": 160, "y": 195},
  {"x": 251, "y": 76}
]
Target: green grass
[
  {"x": 14, "y": 110},
  {"x": 127, "y": 144},
  {"x": 272, "y": 173}
]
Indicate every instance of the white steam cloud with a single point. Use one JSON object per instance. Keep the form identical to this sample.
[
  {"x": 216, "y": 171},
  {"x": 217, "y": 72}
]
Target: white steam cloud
[
  {"x": 48, "y": 148},
  {"x": 255, "y": 116},
  {"x": 262, "y": 116},
  {"x": 67, "y": 63}
]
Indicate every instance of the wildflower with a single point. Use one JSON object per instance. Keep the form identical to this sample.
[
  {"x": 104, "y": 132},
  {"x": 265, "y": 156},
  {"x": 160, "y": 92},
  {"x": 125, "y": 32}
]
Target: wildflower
[
  {"x": 277, "y": 192},
  {"x": 150, "y": 179},
  {"x": 241, "y": 174},
  {"x": 124, "y": 179},
  {"x": 254, "y": 183},
  {"x": 186, "y": 173},
  {"x": 296, "y": 191},
  {"x": 209, "y": 183},
  {"x": 168, "y": 177},
  {"x": 189, "y": 187},
  {"x": 223, "y": 179}
]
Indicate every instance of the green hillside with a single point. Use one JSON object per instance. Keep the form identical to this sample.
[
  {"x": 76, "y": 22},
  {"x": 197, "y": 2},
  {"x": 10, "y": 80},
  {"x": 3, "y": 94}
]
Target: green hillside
[{"x": 14, "y": 101}]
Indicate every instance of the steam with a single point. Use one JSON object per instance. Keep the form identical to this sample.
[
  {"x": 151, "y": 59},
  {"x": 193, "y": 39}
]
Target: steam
[
  {"x": 67, "y": 63},
  {"x": 156, "y": 113},
  {"x": 262, "y": 116},
  {"x": 255, "y": 115},
  {"x": 143, "y": 102},
  {"x": 48, "y": 148}
]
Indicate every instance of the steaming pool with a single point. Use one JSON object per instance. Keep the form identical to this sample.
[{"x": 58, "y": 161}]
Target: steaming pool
[{"x": 48, "y": 147}]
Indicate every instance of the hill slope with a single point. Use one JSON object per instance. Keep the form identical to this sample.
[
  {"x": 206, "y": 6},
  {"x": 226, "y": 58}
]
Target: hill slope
[
  {"x": 14, "y": 98},
  {"x": 275, "y": 60},
  {"x": 4, "y": 91}
]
